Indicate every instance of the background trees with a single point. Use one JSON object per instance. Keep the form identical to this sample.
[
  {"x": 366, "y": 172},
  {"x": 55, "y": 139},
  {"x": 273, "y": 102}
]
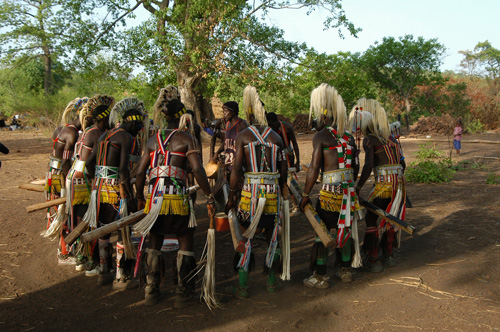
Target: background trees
[{"x": 54, "y": 50}]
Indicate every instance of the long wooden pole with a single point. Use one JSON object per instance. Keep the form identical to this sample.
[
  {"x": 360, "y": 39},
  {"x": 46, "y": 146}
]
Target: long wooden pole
[
  {"x": 31, "y": 186},
  {"x": 114, "y": 226},
  {"x": 389, "y": 217},
  {"x": 47, "y": 204},
  {"x": 314, "y": 219}
]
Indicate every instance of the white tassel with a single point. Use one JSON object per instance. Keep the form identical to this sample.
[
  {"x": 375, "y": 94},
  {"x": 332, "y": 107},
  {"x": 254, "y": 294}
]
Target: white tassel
[
  {"x": 69, "y": 185},
  {"x": 250, "y": 232},
  {"x": 192, "y": 217},
  {"x": 59, "y": 219},
  {"x": 356, "y": 261},
  {"x": 144, "y": 226},
  {"x": 285, "y": 241},
  {"x": 91, "y": 214},
  {"x": 208, "y": 283}
]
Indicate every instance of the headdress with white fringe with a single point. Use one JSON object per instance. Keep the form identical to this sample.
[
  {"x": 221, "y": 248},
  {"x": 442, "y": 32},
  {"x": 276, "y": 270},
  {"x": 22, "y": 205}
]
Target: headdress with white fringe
[
  {"x": 380, "y": 123},
  {"x": 97, "y": 107},
  {"x": 326, "y": 102},
  {"x": 254, "y": 106},
  {"x": 76, "y": 106},
  {"x": 166, "y": 95},
  {"x": 121, "y": 110}
]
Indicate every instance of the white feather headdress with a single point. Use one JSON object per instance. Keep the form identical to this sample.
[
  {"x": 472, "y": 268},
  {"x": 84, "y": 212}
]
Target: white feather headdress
[
  {"x": 325, "y": 100},
  {"x": 121, "y": 109},
  {"x": 76, "y": 106},
  {"x": 167, "y": 94},
  {"x": 380, "y": 123},
  {"x": 253, "y": 105},
  {"x": 89, "y": 110}
]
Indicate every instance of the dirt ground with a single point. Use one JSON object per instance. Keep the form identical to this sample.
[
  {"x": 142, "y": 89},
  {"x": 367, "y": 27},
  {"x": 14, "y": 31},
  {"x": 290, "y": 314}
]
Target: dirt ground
[{"x": 447, "y": 278}]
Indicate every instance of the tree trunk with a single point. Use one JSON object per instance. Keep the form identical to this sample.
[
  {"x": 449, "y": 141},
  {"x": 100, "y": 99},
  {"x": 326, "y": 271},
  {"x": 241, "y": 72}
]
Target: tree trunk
[
  {"x": 187, "y": 86},
  {"x": 408, "y": 106},
  {"x": 47, "y": 81}
]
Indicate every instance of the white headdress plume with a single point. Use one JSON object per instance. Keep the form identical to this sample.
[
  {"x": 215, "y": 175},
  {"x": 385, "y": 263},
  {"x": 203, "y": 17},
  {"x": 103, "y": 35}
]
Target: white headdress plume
[
  {"x": 121, "y": 109},
  {"x": 90, "y": 108},
  {"x": 381, "y": 126},
  {"x": 167, "y": 94},
  {"x": 253, "y": 105},
  {"x": 325, "y": 100},
  {"x": 76, "y": 106}
]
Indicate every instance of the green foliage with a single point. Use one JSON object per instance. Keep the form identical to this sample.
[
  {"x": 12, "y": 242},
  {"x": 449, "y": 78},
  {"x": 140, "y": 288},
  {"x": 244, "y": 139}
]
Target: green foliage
[
  {"x": 429, "y": 172},
  {"x": 493, "y": 178},
  {"x": 475, "y": 126},
  {"x": 466, "y": 165},
  {"x": 430, "y": 167},
  {"x": 428, "y": 152},
  {"x": 401, "y": 65}
]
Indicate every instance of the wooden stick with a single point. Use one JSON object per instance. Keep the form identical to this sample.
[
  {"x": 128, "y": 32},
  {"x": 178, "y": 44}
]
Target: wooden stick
[
  {"x": 389, "y": 217},
  {"x": 30, "y": 186},
  {"x": 47, "y": 204},
  {"x": 446, "y": 140},
  {"x": 114, "y": 226},
  {"x": 314, "y": 219},
  {"x": 236, "y": 236},
  {"x": 39, "y": 181},
  {"x": 77, "y": 231}
]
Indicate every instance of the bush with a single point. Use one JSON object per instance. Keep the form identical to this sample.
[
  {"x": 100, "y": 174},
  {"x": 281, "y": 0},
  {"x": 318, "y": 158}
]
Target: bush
[
  {"x": 476, "y": 127},
  {"x": 492, "y": 178},
  {"x": 429, "y": 171},
  {"x": 430, "y": 166}
]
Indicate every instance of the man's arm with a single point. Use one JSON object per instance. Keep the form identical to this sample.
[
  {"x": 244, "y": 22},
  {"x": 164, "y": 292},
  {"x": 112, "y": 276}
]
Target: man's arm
[
  {"x": 236, "y": 172},
  {"x": 313, "y": 171},
  {"x": 293, "y": 139},
  {"x": 354, "y": 160},
  {"x": 140, "y": 178},
  {"x": 69, "y": 146},
  {"x": 369, "y": 162},
  {"x": 123, "y": 170}
]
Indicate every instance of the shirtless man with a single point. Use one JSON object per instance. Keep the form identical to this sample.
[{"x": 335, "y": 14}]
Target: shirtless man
[
  {"x": 333, "y": 149},
  {"x": 259, "y": 151},
  {"x": 291, "y": 150},
  {"x": 111, "y": 158},
  {"x": 64, "y": 138},
  {"x": 168, "y": 153},
  {"x": 383, "y": 155},
  {"x": 78, "y": 181}
]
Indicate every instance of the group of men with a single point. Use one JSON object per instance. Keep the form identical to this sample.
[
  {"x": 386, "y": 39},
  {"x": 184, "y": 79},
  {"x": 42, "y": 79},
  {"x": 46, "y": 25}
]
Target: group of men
[{"x": 101, "y": 154}]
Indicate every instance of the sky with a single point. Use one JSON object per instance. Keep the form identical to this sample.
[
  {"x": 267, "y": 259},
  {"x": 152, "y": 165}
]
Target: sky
[{"x": 457, "y": 24}]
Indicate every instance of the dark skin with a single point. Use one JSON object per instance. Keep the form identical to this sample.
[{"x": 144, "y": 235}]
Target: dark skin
[
  {"x": 373, "y": 159},
  {"x": 118, "y": 156},
  {"x": 68, "y": 136},
  {"x": 325, "y": 160},
  {"x": 242, "y": 159},
  {"x": 180, "y": 142},
  {"x": 218, "y": 133},
  {"x": 276, "y": 126},
  {"x": 93, "y": 136},
  {"x": 232, "y": 118}
]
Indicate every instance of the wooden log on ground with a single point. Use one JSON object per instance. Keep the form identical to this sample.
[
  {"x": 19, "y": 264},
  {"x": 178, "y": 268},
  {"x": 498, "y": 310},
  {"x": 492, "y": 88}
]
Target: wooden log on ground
[
  {"x": 30, "y": 186},
  {"x": 47, "y": 204}
]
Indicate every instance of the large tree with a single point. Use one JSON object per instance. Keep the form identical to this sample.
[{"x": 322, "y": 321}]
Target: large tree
[
  {"x": 200, "y": 40},
  {"x": 33, "y": 29},
  {"x": 402, "y": 64}
]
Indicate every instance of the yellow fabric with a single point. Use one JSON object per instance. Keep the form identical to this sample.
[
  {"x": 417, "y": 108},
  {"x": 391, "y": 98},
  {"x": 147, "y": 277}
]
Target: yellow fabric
[
  {"x": 110, "y": 194},
  {"x": 172, "y": 204},
  {"x": 381, "y": 190},
  {"x": 333, "y": 201},
  {"x": 81, "y": 194},
  {"x": 271, "y": 206},
  {"x": 56, "y": 184}
]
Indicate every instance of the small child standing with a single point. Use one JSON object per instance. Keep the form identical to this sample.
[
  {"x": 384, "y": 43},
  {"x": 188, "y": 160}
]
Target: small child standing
[{"x": 457, "y": 136}]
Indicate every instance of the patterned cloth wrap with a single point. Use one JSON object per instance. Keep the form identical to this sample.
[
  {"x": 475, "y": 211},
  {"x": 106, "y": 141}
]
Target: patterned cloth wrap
[
  {"x": 80, "y": 184},
  {"x": 337, "y": 193},
  {"x": 107, "y": 182},
  {"x": 175, "y": 199},
  {"x": 261, "y": 182},
  {"x": 259, "y": 185},
  {"x": 331, "y": 194},
  {"x": 390, "y": 184},
  {"x": 53, "y": 177}
]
